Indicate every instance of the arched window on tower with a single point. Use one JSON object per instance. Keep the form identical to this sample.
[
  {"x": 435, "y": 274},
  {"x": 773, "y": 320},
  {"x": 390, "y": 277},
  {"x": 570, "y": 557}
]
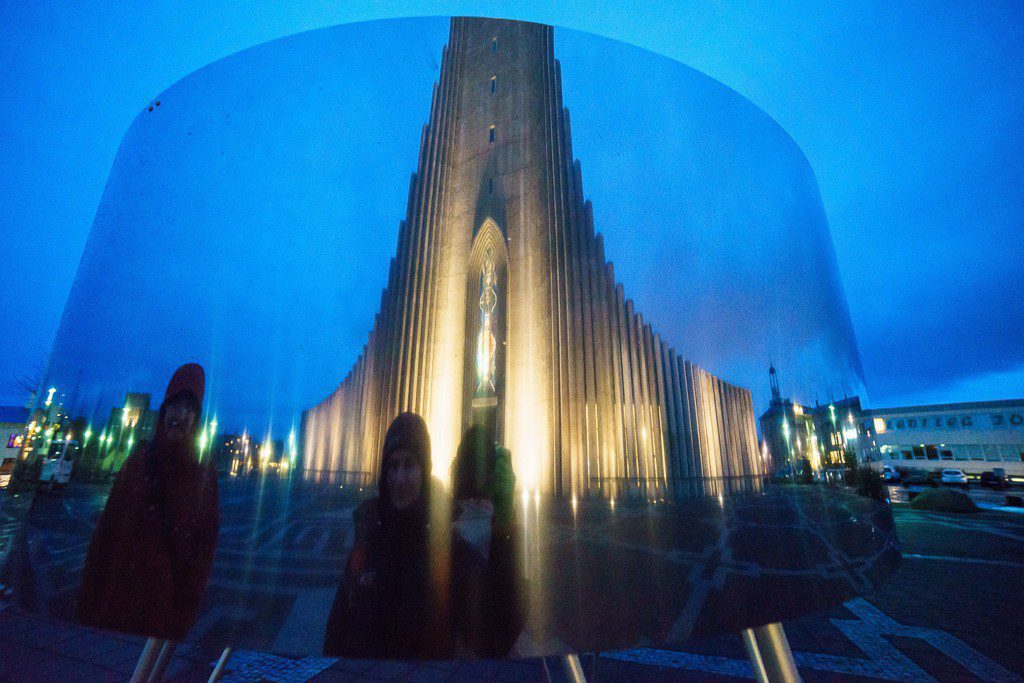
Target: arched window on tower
[
  {"x": 486, "y": 345},
  {"x": 494, "y": 83}
]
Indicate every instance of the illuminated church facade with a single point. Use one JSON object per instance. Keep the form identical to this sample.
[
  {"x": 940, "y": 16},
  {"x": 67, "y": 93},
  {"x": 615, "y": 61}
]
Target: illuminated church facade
[{"x": 501, "y": 308}]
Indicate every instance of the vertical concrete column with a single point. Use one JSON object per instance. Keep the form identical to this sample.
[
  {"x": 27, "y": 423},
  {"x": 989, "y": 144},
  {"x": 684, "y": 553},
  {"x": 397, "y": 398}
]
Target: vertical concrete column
[
  {"x": 719, "y": 421},
  {"x": 749, "y": 446},
  {"x": 661, "y": 406},
  {"x": 408, "y": 258},
  {"x": 662, "y": 412},
  {"x": 682, "y": 454},
  {"x": 654, "y": 412},
  {"x": 642, "y": 402},
  {"x": 672, "y": 427},
  {"x": 602, "y": 356},
  {"x": 628, "y": 452},
  {"x": 618, "y": 442},
  {"x": 429, "y": 197},
  {"x": 691, "y": 443},
  {"x": 713, "y": 466},
  {"x": 728, "y": 438},
  {"x": 738, "y": 438},
  {"x": 562, "y": 450},
  {"x": 589, "y": 342},
  {"x": 397, "y": 324},
  {"x": 757, "y": 465},
  {"x": 739, "y": 456},
  {"x": 573, "y": 294},
  {"x": 633, "y": 397}
]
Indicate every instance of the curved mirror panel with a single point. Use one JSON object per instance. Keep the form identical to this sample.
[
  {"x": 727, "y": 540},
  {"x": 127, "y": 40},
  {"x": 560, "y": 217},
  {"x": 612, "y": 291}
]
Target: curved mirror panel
[{"x": 523, "y": 402}]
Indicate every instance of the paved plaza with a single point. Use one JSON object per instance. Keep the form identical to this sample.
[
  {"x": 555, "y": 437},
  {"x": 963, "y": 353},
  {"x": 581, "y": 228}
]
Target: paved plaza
[{"x": 951, "y": 612}]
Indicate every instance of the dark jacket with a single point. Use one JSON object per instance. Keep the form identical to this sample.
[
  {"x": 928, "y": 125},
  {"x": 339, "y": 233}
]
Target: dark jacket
[
  {"x": 151, "y": 554},
  {"x": 408, "y": 593}
]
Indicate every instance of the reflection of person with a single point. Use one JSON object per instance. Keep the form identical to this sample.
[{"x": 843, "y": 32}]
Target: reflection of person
[
  {"x": 414, "y": 589},
  {"x": 483, "y": 485},
  {"x": 152, "y": 551}
]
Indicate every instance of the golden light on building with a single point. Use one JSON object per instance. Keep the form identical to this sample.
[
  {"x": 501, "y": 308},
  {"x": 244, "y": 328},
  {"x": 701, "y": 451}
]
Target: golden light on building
[{"x": 501, "y": 309}]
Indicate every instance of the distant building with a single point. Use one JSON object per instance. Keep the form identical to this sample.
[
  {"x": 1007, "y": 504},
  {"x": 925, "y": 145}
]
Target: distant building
[
  {"x": 235, "y": 453},
  {"x": 973, "y": 437},
  {"x": 837, "y": 425},
  {"x": 47, "y": 424},
  {"x": 129, "y": 424},
  {"x": 828, "y": 435},
  {"x": 242, "y": 454},
  {"x": 12, "y": 433},
  {"x": 134, "y": 417}
]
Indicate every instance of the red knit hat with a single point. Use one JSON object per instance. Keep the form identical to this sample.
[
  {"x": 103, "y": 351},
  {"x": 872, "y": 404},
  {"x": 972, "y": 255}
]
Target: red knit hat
[{"x": 189, "y": 378}]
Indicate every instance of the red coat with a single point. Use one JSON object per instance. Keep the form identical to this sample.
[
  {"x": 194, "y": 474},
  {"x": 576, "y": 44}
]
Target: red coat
[{"x": 151, "y": 554}]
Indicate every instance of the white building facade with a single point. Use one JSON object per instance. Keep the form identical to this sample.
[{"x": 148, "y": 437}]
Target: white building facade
[{"x": 974, "y": 437}]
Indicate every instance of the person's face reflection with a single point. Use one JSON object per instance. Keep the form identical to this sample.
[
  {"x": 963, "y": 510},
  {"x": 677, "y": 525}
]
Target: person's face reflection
[
  {"x": 405, "y": 478},
  {"x": 178, "y": 420}
]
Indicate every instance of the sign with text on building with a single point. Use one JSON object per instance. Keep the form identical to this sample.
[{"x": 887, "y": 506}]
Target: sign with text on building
[{"x": 979, "y": 420}]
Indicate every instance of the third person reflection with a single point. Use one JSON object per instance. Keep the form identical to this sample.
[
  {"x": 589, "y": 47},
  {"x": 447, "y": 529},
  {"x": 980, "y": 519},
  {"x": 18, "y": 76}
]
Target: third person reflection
[
  {"x": 414, "y": 587},
  {"x": 152, "y": 552}
]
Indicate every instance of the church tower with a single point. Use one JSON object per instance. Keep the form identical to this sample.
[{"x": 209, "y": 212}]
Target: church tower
[{"x": 501, "y": 309}]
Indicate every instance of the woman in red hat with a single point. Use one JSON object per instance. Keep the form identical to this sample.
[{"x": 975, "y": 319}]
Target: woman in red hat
[{"x": 151, "y": 554}]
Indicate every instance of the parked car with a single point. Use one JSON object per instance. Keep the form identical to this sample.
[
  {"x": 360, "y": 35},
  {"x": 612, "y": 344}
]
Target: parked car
[
  {"x": 953, "y": 477},
  {"x": 920, "y": 478},
  {"x": 889, "y": 474},
  {"x": 995, "y": 479}
]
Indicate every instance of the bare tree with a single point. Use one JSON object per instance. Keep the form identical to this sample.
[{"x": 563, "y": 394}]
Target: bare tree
[{"x": 29, "y": 381}]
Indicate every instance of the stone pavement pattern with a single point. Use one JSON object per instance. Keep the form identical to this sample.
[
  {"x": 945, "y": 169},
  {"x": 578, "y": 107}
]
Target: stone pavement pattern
[
  {"x": 951, "y": 612},
  {"x": 281, "y": 550}
]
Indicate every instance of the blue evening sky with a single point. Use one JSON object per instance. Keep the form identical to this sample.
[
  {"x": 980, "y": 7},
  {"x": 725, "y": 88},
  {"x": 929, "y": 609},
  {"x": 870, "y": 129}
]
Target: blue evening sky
[{"x": 909, "y": 116}]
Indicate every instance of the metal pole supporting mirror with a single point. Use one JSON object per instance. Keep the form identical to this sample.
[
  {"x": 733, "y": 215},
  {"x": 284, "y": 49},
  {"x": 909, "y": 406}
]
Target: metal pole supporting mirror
[
  {"x": 218, "y": 669},
  {"x": 573, "y": 668},
  {"x": 147, "y": 660},
  {"x": 769, "y": 653}
]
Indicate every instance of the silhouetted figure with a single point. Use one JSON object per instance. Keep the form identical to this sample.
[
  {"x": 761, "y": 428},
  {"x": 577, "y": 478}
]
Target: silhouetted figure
[
  {"x": 413, "y": 588},
  {"x": 151, "y": 554}
]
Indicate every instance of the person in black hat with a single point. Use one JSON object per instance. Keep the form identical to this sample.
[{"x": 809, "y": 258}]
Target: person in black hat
[
  {"x": 150, "y": 556},
  {"x": 413, "y": 588}
]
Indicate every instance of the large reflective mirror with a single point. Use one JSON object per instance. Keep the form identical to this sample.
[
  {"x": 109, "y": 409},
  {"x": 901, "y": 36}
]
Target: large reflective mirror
[{"x": 299, "y": 402}]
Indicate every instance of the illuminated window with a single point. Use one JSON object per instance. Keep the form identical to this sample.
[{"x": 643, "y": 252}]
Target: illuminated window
[
  {"x": 486, "y": 344},
  {"x": 491, "y": 134},
  {"x": 494, "y": 83}
]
